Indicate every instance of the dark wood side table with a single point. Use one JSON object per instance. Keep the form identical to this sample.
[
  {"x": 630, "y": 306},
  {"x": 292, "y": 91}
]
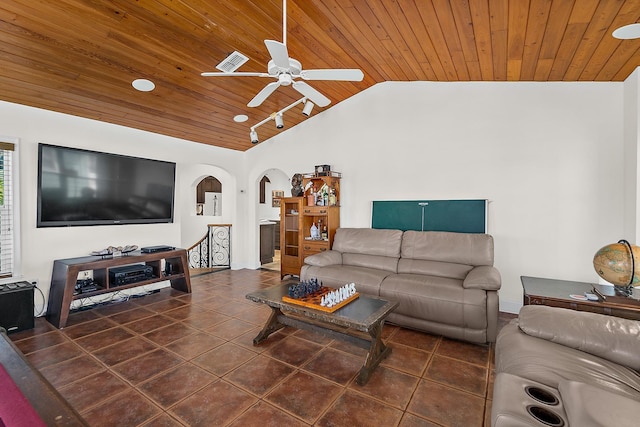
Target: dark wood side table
[{"x": 556, "y": 293}]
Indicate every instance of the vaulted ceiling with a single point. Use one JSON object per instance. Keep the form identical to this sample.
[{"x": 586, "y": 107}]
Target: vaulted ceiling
[{"x": 80, "y": 56}]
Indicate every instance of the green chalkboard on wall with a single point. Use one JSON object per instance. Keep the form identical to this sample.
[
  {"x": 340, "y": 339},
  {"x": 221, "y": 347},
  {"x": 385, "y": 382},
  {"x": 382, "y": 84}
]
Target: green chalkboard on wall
[{"x": 461, "y": 216}]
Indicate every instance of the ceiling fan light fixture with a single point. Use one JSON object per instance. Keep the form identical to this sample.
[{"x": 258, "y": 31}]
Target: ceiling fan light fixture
[
  {"x": 627, "y": 32},
  {"x": 308, "y": 106},
  {"x": 285, "y": 79},
  {"x": 279, "y": 121},
  {"x": 143, "y": 85},
  {"x": 254, "y": 136}
]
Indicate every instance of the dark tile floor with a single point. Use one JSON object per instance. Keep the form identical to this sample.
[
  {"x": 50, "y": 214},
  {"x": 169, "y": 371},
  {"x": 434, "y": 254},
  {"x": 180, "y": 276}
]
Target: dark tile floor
[{"x": 174, "y": 359}]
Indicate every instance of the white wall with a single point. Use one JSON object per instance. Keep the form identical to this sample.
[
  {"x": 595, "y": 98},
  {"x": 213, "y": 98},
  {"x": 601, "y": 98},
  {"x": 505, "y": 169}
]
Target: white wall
[
  {"x": 548, "y": 157},
  {"x": 631, "y": 153},
  {"x": 41, "y": 246},
  {"x": 278, "y": 181}
]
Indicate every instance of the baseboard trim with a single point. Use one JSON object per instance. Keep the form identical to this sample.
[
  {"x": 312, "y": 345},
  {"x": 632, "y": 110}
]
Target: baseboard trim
[{"x": 510, "y": 306}]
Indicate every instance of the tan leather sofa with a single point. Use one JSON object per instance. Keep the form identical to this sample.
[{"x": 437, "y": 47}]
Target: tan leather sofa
[
  {"x": 445, "y": 283},
  {"x": 569, "y": 368}
]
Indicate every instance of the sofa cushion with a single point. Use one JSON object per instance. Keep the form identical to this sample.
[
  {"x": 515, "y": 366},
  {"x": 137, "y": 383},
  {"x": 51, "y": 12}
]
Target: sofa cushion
[
  {"x": 367, "y": 280},
  {"x": 325, "y": 258},
  {"x": 374, "y": 262},
  {"x": 613, "y": 338},
  {"x": 368, "y": 241},
  {"x": 458, "y": 248},
  {"x": 436, "y": 299},
  {"x": 433, "y": 268}
]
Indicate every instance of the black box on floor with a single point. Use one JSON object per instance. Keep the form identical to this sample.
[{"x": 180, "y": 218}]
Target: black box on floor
[{"x": 16, "y": 306}]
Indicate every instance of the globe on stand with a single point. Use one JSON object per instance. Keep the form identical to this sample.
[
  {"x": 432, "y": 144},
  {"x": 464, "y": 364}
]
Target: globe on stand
[{"x": 619, "y": 263}]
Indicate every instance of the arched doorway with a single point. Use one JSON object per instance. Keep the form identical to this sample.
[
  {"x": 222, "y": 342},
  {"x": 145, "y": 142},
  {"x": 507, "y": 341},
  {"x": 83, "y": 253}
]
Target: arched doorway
[{"x": 272, "y": 186}]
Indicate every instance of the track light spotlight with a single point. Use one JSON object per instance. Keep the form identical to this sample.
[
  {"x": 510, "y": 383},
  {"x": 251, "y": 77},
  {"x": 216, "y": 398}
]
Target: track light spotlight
[
  {"x": 308, "y": 106},
  {"x": 254, "y": 136},
  {"x": 279, "y": 121}
]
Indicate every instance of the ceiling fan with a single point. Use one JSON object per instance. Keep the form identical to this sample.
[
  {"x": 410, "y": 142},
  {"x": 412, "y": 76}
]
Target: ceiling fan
[{"x": 285, "y": 70}]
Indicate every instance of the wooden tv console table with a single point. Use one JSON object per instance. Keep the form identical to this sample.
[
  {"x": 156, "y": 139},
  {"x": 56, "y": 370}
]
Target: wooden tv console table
[{"x": 65, "y": 275}]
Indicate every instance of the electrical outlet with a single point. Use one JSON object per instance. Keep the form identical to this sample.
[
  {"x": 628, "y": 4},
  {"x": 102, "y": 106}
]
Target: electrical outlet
[{"x": 34, "y": 282}]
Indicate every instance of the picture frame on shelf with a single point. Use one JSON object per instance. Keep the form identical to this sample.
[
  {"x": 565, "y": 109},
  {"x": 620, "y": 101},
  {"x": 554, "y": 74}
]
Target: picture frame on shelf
[{"x": 276, "y": 195}]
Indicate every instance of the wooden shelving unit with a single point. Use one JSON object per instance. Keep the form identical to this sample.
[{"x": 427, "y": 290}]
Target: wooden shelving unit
[
  {"x": 290, "y": 236},
  {"x": 296, "y": 218}
]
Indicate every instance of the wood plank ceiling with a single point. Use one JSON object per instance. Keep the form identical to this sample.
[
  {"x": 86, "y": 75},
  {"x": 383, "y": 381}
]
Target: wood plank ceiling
[{"x": 80, "y": 56}]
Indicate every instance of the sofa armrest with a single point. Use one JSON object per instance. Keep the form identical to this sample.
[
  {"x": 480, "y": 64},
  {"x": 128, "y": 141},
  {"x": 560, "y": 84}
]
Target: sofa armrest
[
  {"x": 483, "y": 277},
  {"x": 588, "y": 405},
  {"x": 611, "y": 338},
  {"x": 324, "y": 259}
]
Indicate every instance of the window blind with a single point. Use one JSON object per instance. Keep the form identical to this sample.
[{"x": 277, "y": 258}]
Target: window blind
[{"x": 6, "y": 209}]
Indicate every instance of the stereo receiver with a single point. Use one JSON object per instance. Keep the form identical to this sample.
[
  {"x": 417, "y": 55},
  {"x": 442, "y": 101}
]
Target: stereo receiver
[{"x": 119, "y": 276}]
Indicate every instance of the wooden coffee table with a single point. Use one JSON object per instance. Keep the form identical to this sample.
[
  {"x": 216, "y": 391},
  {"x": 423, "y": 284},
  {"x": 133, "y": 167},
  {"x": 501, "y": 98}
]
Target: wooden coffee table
[{"x": 360, "y": 322}]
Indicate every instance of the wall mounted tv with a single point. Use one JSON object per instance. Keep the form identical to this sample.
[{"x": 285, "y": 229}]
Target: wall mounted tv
[{"x": 81, "y": 187}]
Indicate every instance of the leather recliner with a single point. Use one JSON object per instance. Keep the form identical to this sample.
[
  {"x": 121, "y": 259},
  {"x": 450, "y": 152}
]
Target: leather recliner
[{"x": 561, "y": 367}]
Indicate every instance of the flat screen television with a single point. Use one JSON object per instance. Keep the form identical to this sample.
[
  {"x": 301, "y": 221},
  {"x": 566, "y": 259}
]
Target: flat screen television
[{"x": 80, "y": 187}]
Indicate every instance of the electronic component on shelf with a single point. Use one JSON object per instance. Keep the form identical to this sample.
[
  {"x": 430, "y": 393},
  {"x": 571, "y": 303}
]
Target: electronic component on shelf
[
  {"x": 119, "y": 276},
  {"x": 84, "y": 286},
  {"x": 154, "y": 249}
]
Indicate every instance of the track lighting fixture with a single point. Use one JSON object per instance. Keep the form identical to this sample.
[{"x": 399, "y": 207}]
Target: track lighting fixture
[
  {"x": 279, "y": 121},
  {"x": 308, "y": 106},
  {"x": 278, "y": 117}
]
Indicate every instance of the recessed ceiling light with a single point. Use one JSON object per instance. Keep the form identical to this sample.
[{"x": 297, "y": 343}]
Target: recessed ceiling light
[
  {"x": 143, "y": 85},
  {"x": 631, "y": 31},
  {"x": 240, "y": 118}
]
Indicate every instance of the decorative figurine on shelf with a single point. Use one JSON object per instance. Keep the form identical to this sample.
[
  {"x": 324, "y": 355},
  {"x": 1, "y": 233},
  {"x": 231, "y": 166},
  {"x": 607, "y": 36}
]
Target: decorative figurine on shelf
[
  {"x": 296, "y": 185},
  {"x": 115, "y": 250},
  {"x": 315, "y": 232}
]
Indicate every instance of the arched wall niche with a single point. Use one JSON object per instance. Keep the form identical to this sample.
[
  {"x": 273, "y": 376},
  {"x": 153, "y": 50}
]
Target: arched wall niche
[{"x": 209, "y": 197}]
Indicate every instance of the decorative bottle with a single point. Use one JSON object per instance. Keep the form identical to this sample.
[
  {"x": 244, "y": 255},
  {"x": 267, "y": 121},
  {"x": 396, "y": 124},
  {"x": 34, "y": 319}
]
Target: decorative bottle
[
  {"x": 332, "y": 197},
  {"x": 314, "y": 231},
  {"x": 311, "y": 198}
]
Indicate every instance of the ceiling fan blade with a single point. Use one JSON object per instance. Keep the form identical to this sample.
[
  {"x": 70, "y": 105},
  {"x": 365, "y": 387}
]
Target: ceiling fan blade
[
  {"x": 263, "y": 94},
  {"x": 345, "y": 74},
  {"x": 316, "y": 97},
  {"x": 234, "y": 74},
  {"x": 278, "y": 52}
]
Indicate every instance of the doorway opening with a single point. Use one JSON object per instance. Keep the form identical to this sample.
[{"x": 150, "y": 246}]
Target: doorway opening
[{"x": 272, "y": 186}]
